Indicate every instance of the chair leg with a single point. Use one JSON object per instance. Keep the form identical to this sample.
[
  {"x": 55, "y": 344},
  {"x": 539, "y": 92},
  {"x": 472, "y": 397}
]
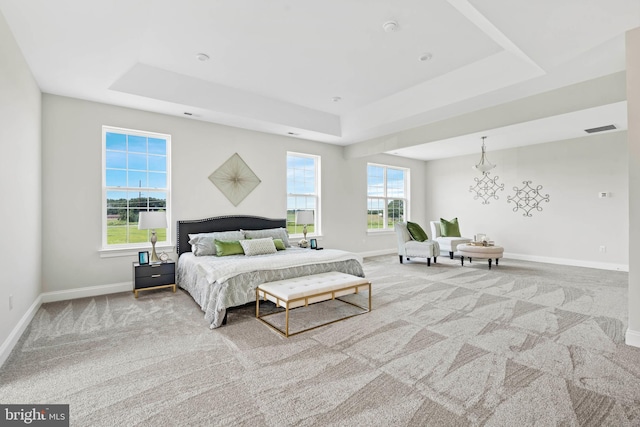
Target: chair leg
[
  {"x": 435, "y": 260},
  {"x": 462, "y": 260},
  {"x": 428, "y": 262},
  {"x": 496, "y": 261},
  {"x": 400, "y": 258},
  {"x": 489, "y": 263},
  {"x": 450, "y": 255}
]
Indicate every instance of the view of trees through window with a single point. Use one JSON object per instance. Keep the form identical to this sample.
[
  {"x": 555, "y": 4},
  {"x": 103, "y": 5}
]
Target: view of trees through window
[
  {"x": 302, "y": 190},
  {"x": 386, "y": 196},
  {"x": 135, "y": 180}
]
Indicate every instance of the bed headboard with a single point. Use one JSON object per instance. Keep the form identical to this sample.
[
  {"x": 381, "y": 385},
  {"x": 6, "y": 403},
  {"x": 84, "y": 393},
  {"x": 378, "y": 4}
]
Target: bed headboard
[{"x": 222, "y": 223}]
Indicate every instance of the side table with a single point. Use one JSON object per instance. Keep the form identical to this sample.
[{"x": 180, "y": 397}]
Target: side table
[{"x": 154, "y": 276}]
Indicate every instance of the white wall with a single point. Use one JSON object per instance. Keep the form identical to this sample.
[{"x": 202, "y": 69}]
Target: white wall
[
  {"x": 20, "y": 214},
  {"x": 72, "y": 185},
  {"x": 572, "y": 225},
  {"x": 633, "y": 111}
]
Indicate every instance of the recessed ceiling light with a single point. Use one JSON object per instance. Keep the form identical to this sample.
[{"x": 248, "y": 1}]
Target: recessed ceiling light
[
  {"x": 202, "y": 57},
  {"x": 336, "y": 99},
  {"x": 426, "y": 56},
  {"x": 390, "y": 26}
]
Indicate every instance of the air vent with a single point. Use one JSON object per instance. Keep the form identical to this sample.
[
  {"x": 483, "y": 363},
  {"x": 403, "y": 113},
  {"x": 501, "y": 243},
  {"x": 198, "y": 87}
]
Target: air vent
[{"x": 600, "y": 129}]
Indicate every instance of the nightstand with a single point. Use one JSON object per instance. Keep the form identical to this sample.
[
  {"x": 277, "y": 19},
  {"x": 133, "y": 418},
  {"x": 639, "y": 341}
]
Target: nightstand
[{"x": 154, "y": 276}]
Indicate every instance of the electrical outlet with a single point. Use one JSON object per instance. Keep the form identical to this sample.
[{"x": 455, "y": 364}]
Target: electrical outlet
[
  {"x": 10, "y": 302},
  {"x": 603, "y": 249}
]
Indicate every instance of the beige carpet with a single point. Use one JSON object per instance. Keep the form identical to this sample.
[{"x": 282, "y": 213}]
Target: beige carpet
[{"x": 523, "y": 344}]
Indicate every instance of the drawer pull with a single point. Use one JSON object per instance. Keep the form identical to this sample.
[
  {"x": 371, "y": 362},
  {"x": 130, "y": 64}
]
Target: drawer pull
[{"x": 156, "y": 275}]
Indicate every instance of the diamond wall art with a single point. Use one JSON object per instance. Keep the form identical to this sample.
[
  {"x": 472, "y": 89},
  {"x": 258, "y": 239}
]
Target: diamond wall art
[
  {"x": 235, "y": 179},
  {"x": 527, "y": 198}
]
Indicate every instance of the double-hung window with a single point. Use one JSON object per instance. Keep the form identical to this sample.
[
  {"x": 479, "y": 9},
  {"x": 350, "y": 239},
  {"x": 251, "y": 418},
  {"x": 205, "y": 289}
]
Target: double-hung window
[
  {"x": 303, "y": 193},
  {"x": 387, "y": 196},
  {"x": 136, "y": 178}
]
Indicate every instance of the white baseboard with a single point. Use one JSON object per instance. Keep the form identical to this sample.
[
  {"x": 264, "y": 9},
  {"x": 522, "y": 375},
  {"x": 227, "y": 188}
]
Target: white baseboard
[
  {"x": 566, "y": 261},
  {"x": 16, "y": 333},
  {"x": 91, "y": 291},
  {"x": 632, "y": 338},
  {"x": 378, "y": 252}
]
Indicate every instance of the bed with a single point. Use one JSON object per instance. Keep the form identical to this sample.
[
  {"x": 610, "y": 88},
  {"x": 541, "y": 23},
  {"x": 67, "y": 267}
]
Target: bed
[{"x": 219, "y": 283}]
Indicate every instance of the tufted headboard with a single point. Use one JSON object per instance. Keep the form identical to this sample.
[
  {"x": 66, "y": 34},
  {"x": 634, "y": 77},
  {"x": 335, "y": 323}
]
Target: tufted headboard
[{"x": 222, "y": 223}]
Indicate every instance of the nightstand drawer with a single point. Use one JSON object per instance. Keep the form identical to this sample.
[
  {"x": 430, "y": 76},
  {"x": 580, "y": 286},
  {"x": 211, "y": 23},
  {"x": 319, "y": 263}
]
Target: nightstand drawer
[
  {"x": 155, "y": 269},
  {"x": 155, "y": 280}
]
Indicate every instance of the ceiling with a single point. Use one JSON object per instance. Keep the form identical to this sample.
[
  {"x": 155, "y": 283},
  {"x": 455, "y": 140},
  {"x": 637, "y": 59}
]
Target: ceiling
[{"x": 329, "y": 70}]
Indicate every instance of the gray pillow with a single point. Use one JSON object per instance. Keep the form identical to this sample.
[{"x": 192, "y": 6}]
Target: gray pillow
[
  {"x": 274, "y": 233},
  {"x": 203, "y": 244},
  {"x": 253, "y": 247}
]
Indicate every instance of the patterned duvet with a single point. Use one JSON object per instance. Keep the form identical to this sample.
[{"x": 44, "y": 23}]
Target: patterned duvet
[{"x": 218, "y": 283}]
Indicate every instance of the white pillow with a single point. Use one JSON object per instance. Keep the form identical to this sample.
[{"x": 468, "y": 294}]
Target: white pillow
[
  {"x": 258, "y": 246},
  {"x": 204, "y": 243},
  {"x": 275, "y": 233}
]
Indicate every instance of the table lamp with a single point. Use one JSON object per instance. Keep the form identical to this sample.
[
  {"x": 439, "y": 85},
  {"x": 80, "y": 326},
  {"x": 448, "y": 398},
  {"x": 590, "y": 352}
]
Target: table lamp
[
  {"x": 152, "y": 221},
  {"x": 305, "y": 218}
]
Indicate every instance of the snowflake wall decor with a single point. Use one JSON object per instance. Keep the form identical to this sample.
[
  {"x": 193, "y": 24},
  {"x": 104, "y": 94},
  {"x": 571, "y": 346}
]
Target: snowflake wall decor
[
  {"x": 527, "y": 198},
  {"x": 486, "y": 188}
]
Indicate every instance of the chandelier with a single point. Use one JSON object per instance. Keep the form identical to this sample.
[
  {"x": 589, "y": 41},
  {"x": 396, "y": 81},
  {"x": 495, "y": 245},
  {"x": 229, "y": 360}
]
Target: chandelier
[{"x": 484, "y": 165}]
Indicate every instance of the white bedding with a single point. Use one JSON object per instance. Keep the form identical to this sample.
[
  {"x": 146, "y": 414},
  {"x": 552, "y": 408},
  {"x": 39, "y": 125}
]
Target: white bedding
[{"x": 217, "y": 283}]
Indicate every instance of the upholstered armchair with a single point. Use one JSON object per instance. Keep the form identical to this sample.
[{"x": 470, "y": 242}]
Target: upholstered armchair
[
  {"x": 447, "y": 244},
  {"x": 410, "y": 248}
]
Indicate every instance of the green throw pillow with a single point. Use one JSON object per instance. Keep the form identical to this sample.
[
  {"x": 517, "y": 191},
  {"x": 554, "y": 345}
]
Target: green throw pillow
[
  {"x": 279, "y": 244},
  {"x": 449, "y": 228},
  {"x": 228, "y": 247},
  {"x": 417, "y": 233}
]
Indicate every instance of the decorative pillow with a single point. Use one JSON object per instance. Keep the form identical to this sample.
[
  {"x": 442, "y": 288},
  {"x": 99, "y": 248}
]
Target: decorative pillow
[
  {"x": 275, "y": 233},
  {"x": 417, "y": 233},
  {"x": 228, "y": 247},
  {"x": 449, "y": 228},
  {"x": 203, "y": 244},
  {"x": 258, "y": 246},
  {"x": 279, "y": 244}
]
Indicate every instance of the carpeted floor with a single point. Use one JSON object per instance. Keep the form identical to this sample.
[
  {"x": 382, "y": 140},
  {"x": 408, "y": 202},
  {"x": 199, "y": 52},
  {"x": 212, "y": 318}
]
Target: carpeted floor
[{"x": 523, "y": 344}]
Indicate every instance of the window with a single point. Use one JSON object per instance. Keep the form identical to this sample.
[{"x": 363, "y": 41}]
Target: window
[
  {"x": 303, "y": 191},
  {"x": 136, "y": 178},
  {"x": 387, "y": 196}
]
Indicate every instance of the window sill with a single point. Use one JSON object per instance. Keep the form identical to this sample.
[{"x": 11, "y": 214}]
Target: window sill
[
  {"x": 133, "y": 251},
  {"x": 380, "y": 231}
]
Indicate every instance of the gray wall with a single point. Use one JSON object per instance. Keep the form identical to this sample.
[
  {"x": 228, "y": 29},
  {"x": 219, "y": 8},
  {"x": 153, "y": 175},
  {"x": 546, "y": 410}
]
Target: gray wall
[
  {"x": 572, "y": 226},
  {"x": 633, "y": 105},
  {"x": 20, "y": 224},
  {"x": 72, "y": 185}
]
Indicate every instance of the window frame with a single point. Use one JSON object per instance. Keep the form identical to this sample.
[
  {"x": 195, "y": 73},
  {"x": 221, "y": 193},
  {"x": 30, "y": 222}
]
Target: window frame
[
  {"x": 317, "y": 217},
  {"x": 130, "y": 248},
  {"x": 387, "y": 199}
]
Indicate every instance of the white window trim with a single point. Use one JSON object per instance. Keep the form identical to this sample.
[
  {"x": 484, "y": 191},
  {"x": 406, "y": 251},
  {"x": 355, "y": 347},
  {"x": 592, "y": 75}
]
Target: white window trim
[
  {"x": 407, "y": 199},
  {"x": 317, "y": 231},
  {"x": 127, "y": 249}
]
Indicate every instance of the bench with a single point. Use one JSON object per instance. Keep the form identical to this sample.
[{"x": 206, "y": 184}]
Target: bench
[{"x": 305, "y": 290}]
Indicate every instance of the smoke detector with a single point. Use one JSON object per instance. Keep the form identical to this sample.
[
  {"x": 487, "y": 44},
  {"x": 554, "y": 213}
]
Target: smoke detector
[{"x": 390, "y": 26}]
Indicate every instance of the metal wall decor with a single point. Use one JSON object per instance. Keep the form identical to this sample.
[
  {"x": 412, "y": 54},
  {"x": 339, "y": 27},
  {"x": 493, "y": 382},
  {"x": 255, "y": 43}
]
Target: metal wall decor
[
  {"x": 235, "y": 179},
  {"x": 527, "y": 198},
  {"x": 486, "y": 188}
]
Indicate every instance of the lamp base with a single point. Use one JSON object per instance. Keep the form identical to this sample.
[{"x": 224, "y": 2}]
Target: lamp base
[{"x": 154, "y": 255}]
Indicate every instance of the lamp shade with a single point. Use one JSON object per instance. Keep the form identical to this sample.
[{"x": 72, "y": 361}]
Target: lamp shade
[
  {"x": 304, "y": 217},
  {"x": 152, "y": 220}
]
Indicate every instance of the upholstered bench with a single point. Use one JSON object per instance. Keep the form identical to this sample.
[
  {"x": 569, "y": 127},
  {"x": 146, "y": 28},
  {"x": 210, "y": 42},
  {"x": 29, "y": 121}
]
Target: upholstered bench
[
  {"x": 477, "y": 251},
  {"x": 305, "y": 290}
]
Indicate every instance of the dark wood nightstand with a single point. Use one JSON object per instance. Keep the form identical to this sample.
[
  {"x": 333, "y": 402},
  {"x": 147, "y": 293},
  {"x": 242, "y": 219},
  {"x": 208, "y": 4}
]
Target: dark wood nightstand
[{"x": 154, "y": 276}]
